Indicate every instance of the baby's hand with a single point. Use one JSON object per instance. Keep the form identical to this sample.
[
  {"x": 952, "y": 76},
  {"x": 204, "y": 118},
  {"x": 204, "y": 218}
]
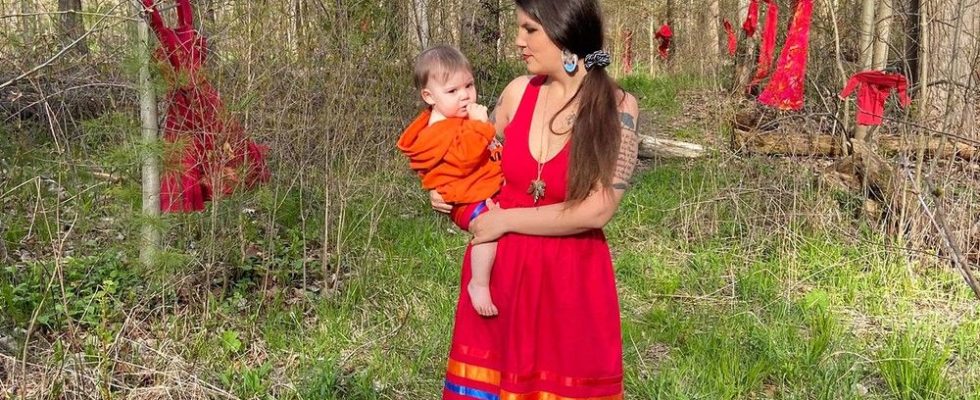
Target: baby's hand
[{"x": 477, "y": 112}]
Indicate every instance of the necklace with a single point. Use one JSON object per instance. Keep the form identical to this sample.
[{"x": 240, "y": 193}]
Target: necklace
[{"x": 536, "y": 190}]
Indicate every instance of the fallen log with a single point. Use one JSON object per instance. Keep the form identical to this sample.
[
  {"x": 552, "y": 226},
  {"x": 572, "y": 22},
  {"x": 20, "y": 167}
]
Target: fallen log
[
  {"x": 780, "y": 143},
  {"x": 801, "y": 144},
  {"x": 935, "y": 147},
  {"x": 651, "y": 147}
]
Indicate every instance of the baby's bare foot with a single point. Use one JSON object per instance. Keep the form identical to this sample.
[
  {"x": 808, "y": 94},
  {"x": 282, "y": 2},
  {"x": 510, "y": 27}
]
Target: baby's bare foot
[{"x": 480, "y": 297}]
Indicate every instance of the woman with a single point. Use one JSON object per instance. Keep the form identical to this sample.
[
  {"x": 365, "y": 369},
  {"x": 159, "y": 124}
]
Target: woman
[{"x": 570, "y": 147}]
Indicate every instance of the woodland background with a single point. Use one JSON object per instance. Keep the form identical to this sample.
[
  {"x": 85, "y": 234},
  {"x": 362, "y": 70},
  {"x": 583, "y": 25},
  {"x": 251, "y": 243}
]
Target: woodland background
[{"x": 760, "y": 253}]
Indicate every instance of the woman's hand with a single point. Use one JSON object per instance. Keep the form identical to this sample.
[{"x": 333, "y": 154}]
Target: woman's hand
[
  {"x": 438, "y": 203},
  {"x": 489, "y": 226}
]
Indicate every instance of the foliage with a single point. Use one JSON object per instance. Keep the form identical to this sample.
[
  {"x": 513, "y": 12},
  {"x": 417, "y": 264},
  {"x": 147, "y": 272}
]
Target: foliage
[{"x": 90, "y": 291}]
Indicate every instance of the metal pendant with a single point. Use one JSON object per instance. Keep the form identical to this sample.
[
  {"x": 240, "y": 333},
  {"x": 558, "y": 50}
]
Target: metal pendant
[{"x": 536, "y": 190}]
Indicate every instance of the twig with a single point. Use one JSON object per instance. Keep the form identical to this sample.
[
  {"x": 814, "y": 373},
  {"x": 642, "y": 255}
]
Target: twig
[{"x": 939, "y": 222}]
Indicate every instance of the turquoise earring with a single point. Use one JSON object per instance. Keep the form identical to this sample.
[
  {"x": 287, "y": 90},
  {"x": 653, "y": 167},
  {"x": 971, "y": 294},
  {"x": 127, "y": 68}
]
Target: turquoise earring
[{"x": 570, "y": 61}]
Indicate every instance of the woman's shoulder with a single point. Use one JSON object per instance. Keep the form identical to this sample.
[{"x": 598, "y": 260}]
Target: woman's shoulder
[
  {"x": 626, "y": 102},
  {"x": 511, "y": 96},
  {"x": 515, "y": 89}
]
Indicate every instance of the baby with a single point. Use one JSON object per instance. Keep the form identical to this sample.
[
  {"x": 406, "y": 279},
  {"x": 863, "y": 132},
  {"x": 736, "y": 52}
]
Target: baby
[{"x": 452, "y": 146}]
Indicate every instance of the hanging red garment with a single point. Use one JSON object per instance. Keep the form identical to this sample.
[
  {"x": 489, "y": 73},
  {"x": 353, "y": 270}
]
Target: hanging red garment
[
  {"x": 664, "y": 35},
  {"x": 208, "y": 150},
  {"x": 751, "y": 19},
  {"x": 732, "y": 41},
  {"x": 874, "y": 87},
  {"x": 768, "y": 45},
  {"x": 785, "y": 89}
]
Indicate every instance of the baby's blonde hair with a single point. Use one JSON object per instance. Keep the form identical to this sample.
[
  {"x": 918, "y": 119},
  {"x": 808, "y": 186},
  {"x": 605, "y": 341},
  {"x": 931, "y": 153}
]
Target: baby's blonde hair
[{"x": 442, "y": 60}]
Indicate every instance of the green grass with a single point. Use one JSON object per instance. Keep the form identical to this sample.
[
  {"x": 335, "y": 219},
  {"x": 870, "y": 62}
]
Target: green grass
[{"x": 660, "y": 93}]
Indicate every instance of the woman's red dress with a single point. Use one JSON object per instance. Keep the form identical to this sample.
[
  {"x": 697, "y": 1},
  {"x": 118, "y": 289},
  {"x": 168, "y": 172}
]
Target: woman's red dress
[{"x": 558, "y": 334}]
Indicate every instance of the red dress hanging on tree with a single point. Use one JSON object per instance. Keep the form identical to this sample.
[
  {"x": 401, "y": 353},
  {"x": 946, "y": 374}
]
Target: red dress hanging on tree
[
  {"x": 664, "y": 35},
  {"x": 208, "y": 149},
  {"x": 732, "y": 41},
  {"x": 768, "y": 45},
  {"x": 558, "y": 332},
  {"x": 874, "y": 87},
  {"x": 785, "y": 89}
]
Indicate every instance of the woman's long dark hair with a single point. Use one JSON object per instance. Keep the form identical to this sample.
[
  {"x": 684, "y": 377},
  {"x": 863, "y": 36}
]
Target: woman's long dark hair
[{"x": 576, "y": 25}]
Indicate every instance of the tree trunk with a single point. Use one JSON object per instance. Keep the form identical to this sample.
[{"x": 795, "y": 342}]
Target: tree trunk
[
  {"x": 711, "y": 31},
  {"x": 151, "y": 167},
  {"x": 72, "y": 26},
  {"x": 914, "y": 44},
  {"x": 866, "y": 48},
  {"x": 831, "y": 13},
  {"x": 745, "y": 56},
  {"x": 499, "y": 20},
  {"x": 922, "y": 54},
  {"x": 883, "y": 34},
  {"x": 28, "y": 24},
  {"x": 296, "y": 27},
  {"x": 953, "y": 50},
  {"x": 922, "y": 61},
  {"x": 617, "y": 46},
  {"x": 419, "y": 24},
  {"x": 651, "y": 147},
  {"x": 453, "y": 16},
  {"x": 743, "y": 12},
  {"x": 652, "y": 40}
]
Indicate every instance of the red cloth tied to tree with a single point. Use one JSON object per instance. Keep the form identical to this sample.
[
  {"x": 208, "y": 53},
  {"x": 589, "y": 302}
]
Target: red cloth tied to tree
[
  {"x": 208, "y": 151},
  {"x": 751, "y": 19},
  {"x": 768, "y": 46},
  {"x": 732, "y": 41},
  {"x": 664, "y": 35},
  {"x": 785, "y": 89},
  {"x": 874, "y": 88}
]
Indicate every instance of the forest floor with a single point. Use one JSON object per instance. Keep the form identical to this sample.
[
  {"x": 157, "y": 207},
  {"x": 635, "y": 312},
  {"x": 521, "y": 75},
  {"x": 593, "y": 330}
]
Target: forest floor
[{"x": 739, "y": 277}]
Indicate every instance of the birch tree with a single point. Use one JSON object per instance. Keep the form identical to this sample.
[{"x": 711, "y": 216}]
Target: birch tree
[
  {"x": 882, "y": 34},
  {"x": 866, "y": 44},
  {"x": 150, "y": 233}
]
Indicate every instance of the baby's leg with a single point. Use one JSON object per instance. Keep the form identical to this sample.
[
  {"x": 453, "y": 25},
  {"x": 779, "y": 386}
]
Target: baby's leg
[{"x": 481, "y": 262}]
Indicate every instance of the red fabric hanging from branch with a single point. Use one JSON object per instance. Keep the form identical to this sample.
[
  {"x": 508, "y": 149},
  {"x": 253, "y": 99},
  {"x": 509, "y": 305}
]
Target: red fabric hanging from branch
[
  {"x": 785, "y": 89},
  {"x": 768, "y": 45},
  {"x": 732, "y": 41},
  {"x": 874, "y": 87},
  {"x": 751, "y": 19},
  {"x": 664, "y": 35},
  {"x": 208, "y": 151}
]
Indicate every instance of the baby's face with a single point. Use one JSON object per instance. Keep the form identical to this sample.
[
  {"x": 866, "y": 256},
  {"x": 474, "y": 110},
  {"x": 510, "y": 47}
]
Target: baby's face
[{"x": 451, "y": 97}]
